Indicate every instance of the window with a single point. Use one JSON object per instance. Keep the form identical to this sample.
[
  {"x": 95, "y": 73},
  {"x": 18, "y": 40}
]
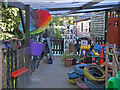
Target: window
[
  {"x": 89, "y": 26},
  {"x": 117, "y": 14},
  {"x": 109, "y": 23},
  {"x": 108, "y": 14},
  {"x": 81, "y": 27},
  {"x": 112, "y": 14},
  {"x": 116, "y": 23}
]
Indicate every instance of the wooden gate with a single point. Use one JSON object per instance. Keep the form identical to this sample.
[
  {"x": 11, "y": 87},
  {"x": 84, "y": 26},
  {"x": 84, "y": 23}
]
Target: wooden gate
[{"x": 57, "y": 45}]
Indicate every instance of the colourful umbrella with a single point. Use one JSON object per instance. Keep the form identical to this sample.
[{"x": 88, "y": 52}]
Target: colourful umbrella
[
  {"x": 43, "y": 20},
  {"x": 42, "y": 16}
]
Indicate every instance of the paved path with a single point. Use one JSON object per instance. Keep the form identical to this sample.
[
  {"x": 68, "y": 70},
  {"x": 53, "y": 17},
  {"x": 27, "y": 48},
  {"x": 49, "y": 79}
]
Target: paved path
[{"x": 51, "y": 75}]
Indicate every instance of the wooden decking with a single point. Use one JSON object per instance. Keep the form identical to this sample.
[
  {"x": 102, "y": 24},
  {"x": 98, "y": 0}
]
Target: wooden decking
[{"x": 51, "y": 75}]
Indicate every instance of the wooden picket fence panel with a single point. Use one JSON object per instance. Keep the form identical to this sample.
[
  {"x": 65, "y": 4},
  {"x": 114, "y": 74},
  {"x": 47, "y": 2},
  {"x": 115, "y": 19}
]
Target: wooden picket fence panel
[
  {"x": 11, "y": 65},
  {"x": 16, "y": 59},
  {"x": 23, "y": 60},
  {"x": 57, "y": 45}
]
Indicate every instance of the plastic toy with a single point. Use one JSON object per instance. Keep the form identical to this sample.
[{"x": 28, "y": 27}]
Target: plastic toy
[
  {"x": 113, "y": 83},
  {"x": 101, "y": 55},
  {"x": 85, "y": 46},
  {"x": 94, "y": 53},
  {"x": 19, "y": 72}
]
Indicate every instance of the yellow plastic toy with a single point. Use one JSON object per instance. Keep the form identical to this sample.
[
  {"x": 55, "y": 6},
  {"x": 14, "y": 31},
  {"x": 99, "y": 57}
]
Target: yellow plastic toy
[
  {"x": 73, "y": 81},
  {"x": 94, "y": 53},
  {"x": 85, "y": 47},
  {"x": 40, "y": 42}
]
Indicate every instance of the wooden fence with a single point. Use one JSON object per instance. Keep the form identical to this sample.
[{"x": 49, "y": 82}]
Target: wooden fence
[
  {"x": 11, "y": 65},
  {"x": 57, "y": 45},
  {"x": 16, "y": 59}
]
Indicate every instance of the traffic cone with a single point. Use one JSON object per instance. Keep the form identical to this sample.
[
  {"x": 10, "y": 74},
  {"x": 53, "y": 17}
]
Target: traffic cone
[{"x": 101, "y": 56}]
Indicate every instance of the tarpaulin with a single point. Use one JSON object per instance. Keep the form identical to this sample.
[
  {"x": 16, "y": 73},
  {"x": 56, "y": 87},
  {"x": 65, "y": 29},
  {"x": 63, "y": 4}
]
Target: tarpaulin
[
  {"x": 32, "y": 24},
  {"x": 36, "y": 48}
]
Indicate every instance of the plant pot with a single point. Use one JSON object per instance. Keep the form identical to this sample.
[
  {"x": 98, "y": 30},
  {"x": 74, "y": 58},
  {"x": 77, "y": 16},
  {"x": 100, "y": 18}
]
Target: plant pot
[{"x": 68, "y": 62}]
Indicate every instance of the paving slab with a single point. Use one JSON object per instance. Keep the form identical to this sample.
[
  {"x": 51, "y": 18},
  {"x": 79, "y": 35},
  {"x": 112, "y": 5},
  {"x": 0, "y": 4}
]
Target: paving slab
[{"x": 51, "y": 75}]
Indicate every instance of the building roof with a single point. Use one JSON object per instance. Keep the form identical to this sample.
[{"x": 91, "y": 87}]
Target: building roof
[{"x": 84, "y": 17}]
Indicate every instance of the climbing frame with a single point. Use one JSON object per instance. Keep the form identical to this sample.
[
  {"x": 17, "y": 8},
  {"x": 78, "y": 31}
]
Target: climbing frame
[{"x": 111, "y": 65}]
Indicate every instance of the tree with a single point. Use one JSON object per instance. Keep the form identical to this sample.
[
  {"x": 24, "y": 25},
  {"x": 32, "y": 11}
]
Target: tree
[
  {"x": 57, "y": 33},
  {"x": 10, "y": 22},
  {"x": 59, "y": 21}
]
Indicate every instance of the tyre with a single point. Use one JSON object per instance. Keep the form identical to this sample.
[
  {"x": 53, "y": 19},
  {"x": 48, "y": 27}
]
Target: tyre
[
  {"x": 81, "y": 77},
  {"x": 73, "y": 81},
  {"x": 81, "y": 84},
  {"x": 79, "y": 69},
  {"x": 94, "y": 73},
  {"x": 73, "y": 75},
  {"x": 92, "y": 85}
]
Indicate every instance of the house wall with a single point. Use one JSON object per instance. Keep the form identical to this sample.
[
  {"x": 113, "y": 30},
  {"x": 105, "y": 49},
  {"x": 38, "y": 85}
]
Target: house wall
[
  {"x": 83, "y": 31},
  {"x": 113, "y": 32},
  {"x": 98, "y": 25}
]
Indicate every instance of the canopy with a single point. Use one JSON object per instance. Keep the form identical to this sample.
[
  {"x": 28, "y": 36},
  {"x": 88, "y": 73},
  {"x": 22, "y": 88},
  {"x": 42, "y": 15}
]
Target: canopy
[
  {"x": 68, "y": 6},
  {"x": 62, "y": 7}
]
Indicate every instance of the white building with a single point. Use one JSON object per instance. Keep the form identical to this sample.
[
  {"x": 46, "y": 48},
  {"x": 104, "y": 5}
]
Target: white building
[{"x": 82, "y": 25}]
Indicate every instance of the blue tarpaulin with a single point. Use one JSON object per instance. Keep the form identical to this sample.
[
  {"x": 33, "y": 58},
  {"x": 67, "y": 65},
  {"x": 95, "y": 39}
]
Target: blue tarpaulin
[{"x": 32, "y": 24}]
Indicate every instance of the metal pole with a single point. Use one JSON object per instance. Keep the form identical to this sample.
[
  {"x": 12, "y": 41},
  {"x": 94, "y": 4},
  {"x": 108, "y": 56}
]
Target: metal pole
[{"x": 106, "y": 15}]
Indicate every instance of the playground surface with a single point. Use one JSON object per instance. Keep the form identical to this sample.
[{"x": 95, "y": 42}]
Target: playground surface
[{"x": 51, "y": 75}]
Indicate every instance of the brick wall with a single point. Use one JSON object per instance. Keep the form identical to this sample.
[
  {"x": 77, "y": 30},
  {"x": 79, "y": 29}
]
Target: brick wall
[{"x": 113, "y": 32}]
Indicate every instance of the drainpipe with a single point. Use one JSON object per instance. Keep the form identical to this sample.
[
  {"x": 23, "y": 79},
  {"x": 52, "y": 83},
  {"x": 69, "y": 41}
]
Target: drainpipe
[{"x": 106, "y": 15}]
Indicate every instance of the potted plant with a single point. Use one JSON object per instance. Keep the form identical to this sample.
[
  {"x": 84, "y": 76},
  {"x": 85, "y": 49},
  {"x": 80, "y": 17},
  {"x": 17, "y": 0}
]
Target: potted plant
[{"x": 67, "y": 58}]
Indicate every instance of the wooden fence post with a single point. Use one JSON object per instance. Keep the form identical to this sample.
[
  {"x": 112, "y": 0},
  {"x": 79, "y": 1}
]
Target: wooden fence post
[
  {"x": 106, "y": 66},
  {"x": 3, "y": 71},
  {"x": 27, "y": 46},
  {"x": 13, "y": 61},
  {"x": 27, "y": 26},
  {"x": 27, "y": 34},
  {"x": 113, "y": 61}
]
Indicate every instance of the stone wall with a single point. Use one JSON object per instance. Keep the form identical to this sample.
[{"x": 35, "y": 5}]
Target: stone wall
[{"x": 98, "y": 25}]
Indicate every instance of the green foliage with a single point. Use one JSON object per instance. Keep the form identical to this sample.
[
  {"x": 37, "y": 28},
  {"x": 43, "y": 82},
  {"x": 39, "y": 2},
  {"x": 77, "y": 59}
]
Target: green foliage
[
  {"x": 57, "y": 33},
  {"x": 60, "y": 20},
  {"x": 55, "y": 21},
  {"x": 69, "y": 55},
  {"x": 10, "y": 22}
]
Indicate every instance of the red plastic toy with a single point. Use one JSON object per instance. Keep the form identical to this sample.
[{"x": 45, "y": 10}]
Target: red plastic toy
[
  {"x": 19, "y": 72},
  {"x": 101, "y": 55}
]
